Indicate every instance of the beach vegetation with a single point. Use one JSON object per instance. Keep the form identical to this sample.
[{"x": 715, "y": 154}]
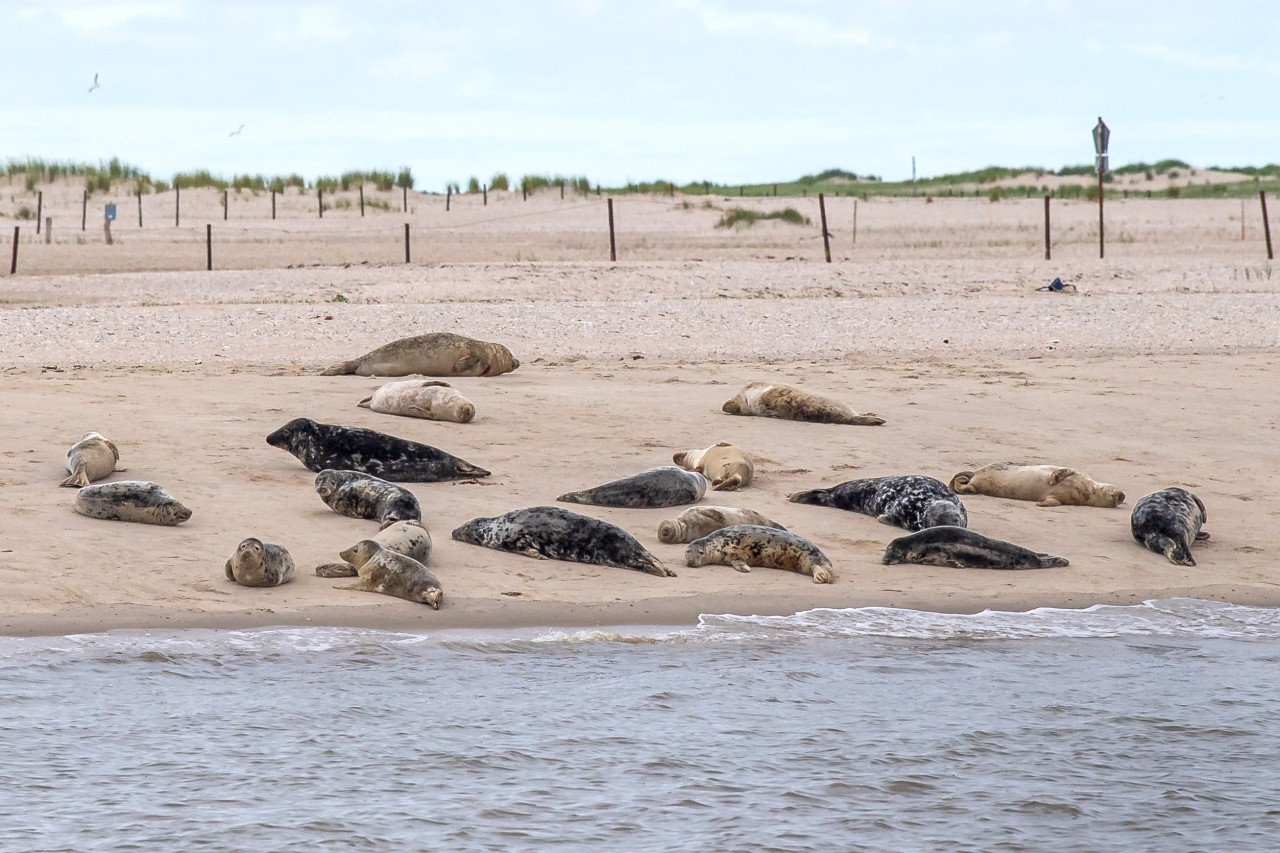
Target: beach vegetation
[
  {"x": 25, "y": 212},
  {"x": 735, "y": 216},
  {"x": 499, "y": 182},
  {"x": 473, "y": 185}
]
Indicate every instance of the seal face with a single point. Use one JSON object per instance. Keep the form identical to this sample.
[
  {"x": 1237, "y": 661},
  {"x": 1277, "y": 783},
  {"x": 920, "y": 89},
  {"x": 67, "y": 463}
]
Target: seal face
[
  {"x": 961, "y": 548},
  {"x": 329, "y": 446},
  {"x": 91, "y": 458},
  {"x": 431, "y": 399},
  {"x": 410, "y": 538},
  {"x": 745, "y": 545},
  {"x": 358, "y": 495},
  {"x": 258, "y": 563},
  {"x": 1048, "y": 485},
  {"x": 697, "y": 521},
  {"x": 1167, "y": 522},
  {"x": 433, "y": 354},
  {"x": 726, "y": 466},
  {"x": 131, "y": 500},
  {"x": 912, "y": 502},
  {"x": 773, "y": 400},
  {"x": 389, "y": 573},
  {"x": 552, "y": 533},
  {"x": 665, "y": 485}
]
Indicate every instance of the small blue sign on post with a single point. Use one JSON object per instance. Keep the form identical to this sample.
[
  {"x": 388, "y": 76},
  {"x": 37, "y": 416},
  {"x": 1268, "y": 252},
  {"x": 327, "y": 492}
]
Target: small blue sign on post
[{"x": 109, "y": 212}]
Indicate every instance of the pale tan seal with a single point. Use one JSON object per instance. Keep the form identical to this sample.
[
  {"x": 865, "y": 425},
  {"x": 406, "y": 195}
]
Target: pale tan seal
[
  {"x": 1048, "y": 485},
  {"x": 386, "y": 572},
  {"x": 431, "y": 399},
  {"x": 410, "y": 538},
  {"x": 773, "y": 400},
  {"x": 258, "y": 563},
  {"x": 745, "y": 545},
  {"x": 91, "y": 458},
  {"x": 433, "y": 354},
  {"x": 727, "y": 467},
  {"x": 698, "y": 521}
]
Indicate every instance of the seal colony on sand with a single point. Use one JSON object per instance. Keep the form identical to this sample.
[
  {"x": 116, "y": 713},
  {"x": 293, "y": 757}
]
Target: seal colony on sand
[
  {"x": 1048, "y": 485},
  {"x": 431, "y": 399},
  {"x": 384, "y": 571},
  {"x": 665, "y": 485},
  {"x": 329, "y": 446},
  {"x": 961, "y": 548},
  {"x": 359, "y": 495},
  {"x": 432, "y": 354},
  {"x": 404, "y": 537},
  {"x": 697, "y": 521},
  {"x": 911, "y": 502},
  {"x": 773, "y": 400},
  {"x": 552, "y": 533},
  {"x": 91, "y": 458},
  {"x": 745, "y": 545},
  {"x": 726, "y": 466},
  {"x": 258, "y": 563},
  {"x": 131, "y": 500},
  {"x": 1167, "y": 522}
]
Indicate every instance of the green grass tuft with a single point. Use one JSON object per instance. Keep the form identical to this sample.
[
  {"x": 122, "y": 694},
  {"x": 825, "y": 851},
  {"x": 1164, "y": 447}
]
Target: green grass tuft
[{"x": 738, "y": 216}]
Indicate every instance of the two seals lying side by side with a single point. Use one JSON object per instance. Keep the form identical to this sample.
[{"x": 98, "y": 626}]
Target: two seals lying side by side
[
  {"x": 389, "y": 573},
  {"x": 961, "y": 548},
  {"x": 131, "y": 500},
  {"x": 912, "y": 502},
  {"x": 91, "y": 458},
  {"x": 433, "y": 354},
  {"x": 1167, "y": 522},
  {"x": 404, "y": 537},
  {"x": 665, "y": 485},
  {"x": 1048, "y": 485},
  {"x": 745, "y": 545},
  {"x": 258, "y": 563},
  {"x": 358, "y": 495},
  {"x": 774, "y": 400},
  {"x": 697, "y": 521},
  {"x": 431, "y": 399},
  {"x": 330, "y": 446},
  {"x": 726, "y": 466}
]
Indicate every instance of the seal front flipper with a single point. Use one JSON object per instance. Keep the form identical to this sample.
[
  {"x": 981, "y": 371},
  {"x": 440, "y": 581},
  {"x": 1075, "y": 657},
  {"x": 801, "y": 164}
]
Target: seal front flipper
[
  {"x": 336, "y": 570},
  {"x": 1202, "y": 535},
  {"x": 466, "y": 364},
  {"x": 1050, "y": 501},
  {"x": 739, "y": 565}
]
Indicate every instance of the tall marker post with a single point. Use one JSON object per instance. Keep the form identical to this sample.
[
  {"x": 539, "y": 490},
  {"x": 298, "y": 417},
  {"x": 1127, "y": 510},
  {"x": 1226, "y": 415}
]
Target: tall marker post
[{"x": 1101, "y": 136}]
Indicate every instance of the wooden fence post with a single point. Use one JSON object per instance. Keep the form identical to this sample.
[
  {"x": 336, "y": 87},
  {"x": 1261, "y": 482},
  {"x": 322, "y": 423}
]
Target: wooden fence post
[
  {"x": 177, "y": 203},
  {"x": 362, "y": 200},
  {"x": 485, "y": 189},
  {"x": 1046, "y": 228},
  {"x": 208, "y": 246},
  {"x": 225, "y": 206},
  {"x": 562, "y": 190},
  {"x": 406, "y": 242},
  {"x": 39, "y": 209},
  {"x": 613, "y": 246},
  {"x": 139, "y": 208},
  {"x": 320, "y": 201},
  {"x": 13, "y": 260},
  {"x": 448, "y": 197},
  {"x": 84, "y": 210},
  {"x": 1266, "y": 223},
  {"x": 826, "y": 235},
  {"x": 273, "y": 204},
  {"x": 855, "y": 222},
  {"x": 48, "y": 230},
  {"x": 404, "y": 199}
]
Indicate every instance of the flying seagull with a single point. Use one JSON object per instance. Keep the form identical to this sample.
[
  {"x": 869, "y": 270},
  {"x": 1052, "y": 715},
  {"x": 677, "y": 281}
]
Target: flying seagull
[
  {"x": 96, "y": 84},
  {"x": 236, "y": 132}
]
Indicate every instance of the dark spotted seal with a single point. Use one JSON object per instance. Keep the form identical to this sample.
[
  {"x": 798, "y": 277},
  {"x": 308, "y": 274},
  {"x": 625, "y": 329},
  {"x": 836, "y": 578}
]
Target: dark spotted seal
[
  {"x": 389, "y": 573},
  {"x": 697, "y": 521},
  {"x": 258, "y": 563},
  {"x": 410, "y": 538},
  {"x": 131, "y": 500},
  {"x": 1167, "y": 522},
  {"x": 433, "y": 354},
  {"x": 774, "y": 400},
  {"x": 552, "y": 533},
  {"x": 912, "y": 502},
  {"x": 358, "y": 495},
  {"x": 91, "y": 458},
  {"x": 745, "y": 545},
  {"x": 329, "y": 446},
  {"x": 961, "y": 548},
  {"x": 666, "y": 485}
]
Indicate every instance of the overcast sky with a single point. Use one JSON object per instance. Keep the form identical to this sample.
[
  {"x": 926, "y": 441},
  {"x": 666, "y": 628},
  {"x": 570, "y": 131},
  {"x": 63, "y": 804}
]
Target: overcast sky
[{"x": 617, "y": 90}]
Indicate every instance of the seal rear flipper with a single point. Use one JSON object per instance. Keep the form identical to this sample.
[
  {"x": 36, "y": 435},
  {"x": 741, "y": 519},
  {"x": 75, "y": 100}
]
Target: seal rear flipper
[
  {"x": 336, "y": 570},
  {"x": 960, "y": 483},
  {"x": 728, "y": 484},
  {"x": 1048, "y": 561},
  {"x": 466, "y": 469},
  {"x": 571, "y": 498},
  {"x": 819, "y": 497},
  {"x": 342, "y": 368},
  {"x": 78, "y": 480},
  {"x": 868, "y": 419},
  {"x": 364, "y": 404}
]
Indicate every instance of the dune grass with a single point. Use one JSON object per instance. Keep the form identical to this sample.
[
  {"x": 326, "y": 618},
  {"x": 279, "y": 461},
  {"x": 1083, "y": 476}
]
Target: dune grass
[{"x": 738, "y": 216}]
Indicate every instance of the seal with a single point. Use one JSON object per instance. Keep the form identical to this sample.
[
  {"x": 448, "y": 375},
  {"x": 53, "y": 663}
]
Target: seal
[
  {"x": 329, "y": 446},
  {"x": 552, "y": 533},
  {"x": 433, "y": 354},
  {"x": 773, "y": 400},
  {"x": 359, "y": 495},
  {"x": 745, "y": 545},
  {"x": 726, "y": 466},
  {"x": 961, "y": 548},
  {"x": 665, "y": 485},
  {"x": 131, "y": 500},
  {"x": 91, "y": 458},
  {"x": 431, "y": 399},
  {"x": 697, "y": 521},
  {"x": 1048, "y": 485},
  {"x": 258, "y": 563},
  {"x": 404, "y": 537},
  {"x": 912, "y": 501},
  {"x": 384, "y": 571},
  {"x": 1167, "y": 522}
]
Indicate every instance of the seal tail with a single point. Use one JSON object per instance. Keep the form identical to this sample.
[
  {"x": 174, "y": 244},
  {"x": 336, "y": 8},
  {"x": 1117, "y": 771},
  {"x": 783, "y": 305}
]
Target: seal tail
[
  {"x": 728, "y": 484},
  {"x": 364, "y": 404},
  {"x": 573, "y": 498},
  {"x": 869, "y": 419},
  {"x": 1048, "y": 561},
  {"x": 466, "y": 469},
  {"x": 960, "y": 483},
  {"x": 650, "y": 564},
  {"x": 342, "y": 368},
  {"x": 78, "y": 480},
  {"x": 820, "y": 497}
]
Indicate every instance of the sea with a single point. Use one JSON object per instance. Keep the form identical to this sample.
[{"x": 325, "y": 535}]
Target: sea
[{"x": 1153, "y": 727}]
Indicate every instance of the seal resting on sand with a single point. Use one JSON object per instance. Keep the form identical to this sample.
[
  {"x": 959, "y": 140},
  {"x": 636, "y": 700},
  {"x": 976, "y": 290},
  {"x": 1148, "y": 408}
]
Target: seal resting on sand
[
  {"x": 431, "y": 399},
  {"x": 961, "y": 548},
  {"x": 359, "y": 495},
  {"x": 665, "y": 485},
  {"x": 91, "y": 458},
  {"x": 912, "y": 501},
  {"x": 726, "y": 466},
  {"x": 258, "y": 563},
  {"x": 410, "y": 538},
  {"x": 386, "y": 572},
  {"x": 774, "y": 400},
  {"x": 432, "y": 354},
  {"x": 1167, "y": 522},
  {"x": 330, "y": 446},
  {"x": 131, "y": 500},
  {"x": 697, "y": 521},
  {"x": 745, "y": 545},
  {"x": 1048, "y": 485}
]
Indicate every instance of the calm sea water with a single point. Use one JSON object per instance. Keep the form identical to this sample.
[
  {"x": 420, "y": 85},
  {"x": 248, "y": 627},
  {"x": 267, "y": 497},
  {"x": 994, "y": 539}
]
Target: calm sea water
[{"x": 1151, "y": 728}]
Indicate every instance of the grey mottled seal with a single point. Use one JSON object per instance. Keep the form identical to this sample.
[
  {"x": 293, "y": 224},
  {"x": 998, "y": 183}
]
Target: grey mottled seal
[
  {"x": 131, "y": 500},
  {"x": 745, "y": 545},
  {"x": 91, "y": 458},
  {"x": 912, "y": 501},
  {"x": 552, "y": 533},
  {"x": 343, "y": 448},
  {"x": 360, "y": 495},
  {"x": 726, "y": 466},
  {"x": 410, "y": 538},
  {"x": 1048, "y": 485},
  {"x": 774, "y": 400},
  {"x": 431, "y": 399},
  {"x": 389, "y": 573},
  {"x": 258, "y": 563},
  {"x": 961, "y": 548},
  {"x": 666, "y": 485},
  {"x": 1167, "y": 522},
  {"x": 433, "y": 354},
  {"x": 697, "y": 521}
]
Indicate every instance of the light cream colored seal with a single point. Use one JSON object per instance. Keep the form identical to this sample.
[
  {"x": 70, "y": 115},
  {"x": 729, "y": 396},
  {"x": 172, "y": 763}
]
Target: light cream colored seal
[
  {"x": 258, "y": 563},
  {"x": 1048, "y": 485},
  {"x": 434, "y": 354},
  {"x": 386, "y": 572},
  {"x": 698, "y": 521},
  {"x": 410, "y": 538},
  {"x": 91, "y": 458},
  {"x": 773, "y": 400},
  {"x": 727, "y": 467},
  {"x": 431, "y": 399}
]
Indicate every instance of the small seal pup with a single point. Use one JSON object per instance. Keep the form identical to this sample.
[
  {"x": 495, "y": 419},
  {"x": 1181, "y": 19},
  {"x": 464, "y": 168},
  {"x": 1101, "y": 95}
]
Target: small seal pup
[
  {"x": 1167, "y": 522},
  {"x": 697, "y": 521},
  {"x": 359, "y": 495},
  {"x": 552, "y": 533},
  {"x": 384, "y": 571},
  {"x": 329, "y": 446},
  {"x": 665, "y": 485},
  {"x": 131, "y": 500},
  {"x": 432, "y": 399},
  {"x": 91, "y": 458},
  {"x": 258, "y": 563},
  {"x": 726, "y": 466},
  {"x": 912, "y": 501},
  {"x": 433, "y": 354},
  {"x": 1048, "y": 485},
  {"x": 773, "y": 400},
  {"x": 745, "y": 545},
  {"x": 961, "y": 548},
  {"x": 404, "y": 537}
]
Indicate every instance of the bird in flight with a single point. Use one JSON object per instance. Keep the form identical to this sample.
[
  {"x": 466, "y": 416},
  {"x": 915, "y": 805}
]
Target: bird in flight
[
  {"x": 236, "y": 132},
  {"x": 96, "y": 84}
]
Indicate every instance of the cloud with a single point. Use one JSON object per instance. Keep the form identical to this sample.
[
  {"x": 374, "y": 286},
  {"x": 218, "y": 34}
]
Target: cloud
[
  {"x": 1200, "y": 61},
  {"x": 93, "y": 17},
  {"x": 804, "y": 29}
]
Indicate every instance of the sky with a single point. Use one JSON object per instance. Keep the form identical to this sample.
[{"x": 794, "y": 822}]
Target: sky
[{"x": 729, "y": 91}]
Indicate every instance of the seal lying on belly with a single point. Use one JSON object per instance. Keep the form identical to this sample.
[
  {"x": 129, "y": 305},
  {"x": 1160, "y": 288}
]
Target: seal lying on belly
[
  {"x": 329, "y": 446},
  {"x": 912, "y": 502},
  {"x": 91, "y": 458},
  {"x": 1167, "y": 522},
  {"x": 131, "y": 500},
  {"x": 697, "y": 521},
  {"x": 666, "y": 485},
  {"x": 258, "y": 563},
  {"x": 745, "y": 545},
  {"x": 1048, "y": 485},
  {"x": 774, "y": 400},
  {"x": 410, "y": 538},
  {"x": 432, "y": 354},
  {"x": 961, "y": 548},
  {"x": 552, "y": 533},
  {"x": 386, "y": 572},
  {"x": 358, "y": 495}
]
